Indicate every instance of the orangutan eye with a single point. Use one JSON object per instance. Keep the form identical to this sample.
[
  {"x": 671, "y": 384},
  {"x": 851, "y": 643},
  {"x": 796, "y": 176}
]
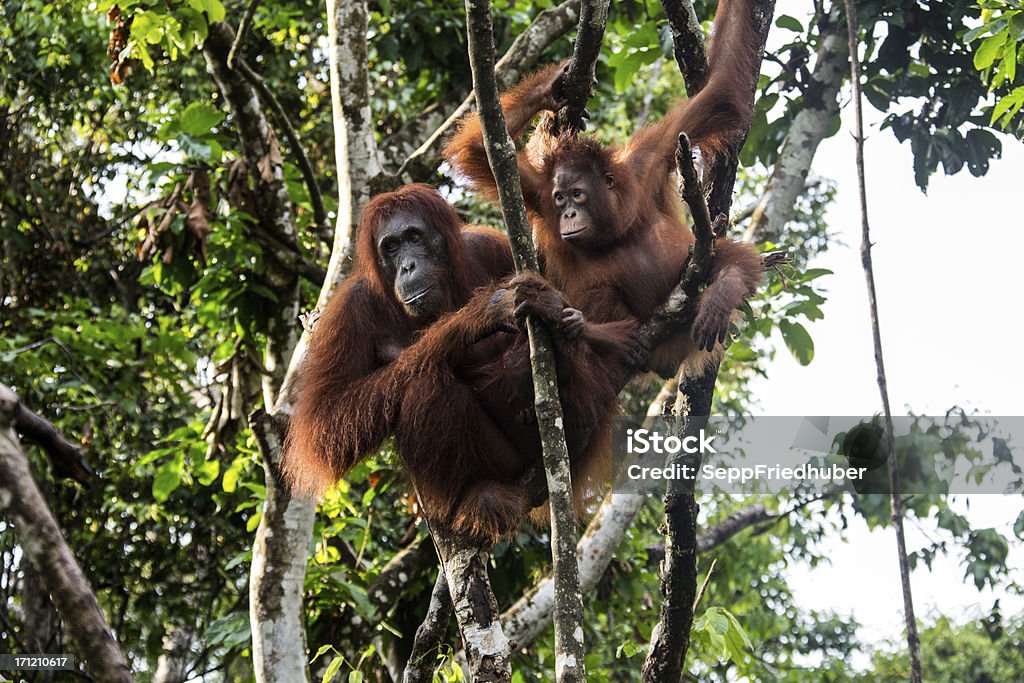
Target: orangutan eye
[
  {"x": 559, "y": 197},
  {"x": 576, "y": 194}
]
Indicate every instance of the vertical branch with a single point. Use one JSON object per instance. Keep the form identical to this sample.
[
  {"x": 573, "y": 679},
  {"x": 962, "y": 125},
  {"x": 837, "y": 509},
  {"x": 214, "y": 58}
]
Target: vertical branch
[
  {"x": 430, "y": 633},
  {"x": 895, "y": 502},
  {"x": 280, "y": 546},
  {"x": 243, "y": 31},
  {"x": 501, "y": 155},
  {"x": 687, "y": 44},
  {"x": 670, "y": 639},
  {"x": 464, "y": 566},
  {"x": 355, "y": 146},
  {"x": 580, "y": 77}
]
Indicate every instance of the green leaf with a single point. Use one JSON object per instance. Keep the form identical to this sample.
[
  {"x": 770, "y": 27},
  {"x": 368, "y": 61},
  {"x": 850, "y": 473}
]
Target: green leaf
[
  {"x": 1018, "y": 527},
  {"x": 989, "y": 50},
  {"x": 207, "y": 472},
  {"x": 168, "y": 478},
  {"x": 199, "y": 118},
  {"x": 332, "y": 670},
  {"x": 195, "y": 149},
  {"x": 798, "y": 341},
  {"x": 791, "y": 23},
  {"x": 213, "y": 8},
  {"x": 319, "y": 653},
  {"x": 230, "y": 481},
  {"x": 1008, "y": 105}
]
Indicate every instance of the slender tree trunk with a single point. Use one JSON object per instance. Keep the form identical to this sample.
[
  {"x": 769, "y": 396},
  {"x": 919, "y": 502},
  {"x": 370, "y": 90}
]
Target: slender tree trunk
[
  {"x": 810, "y": 126},
  {"x": 501, "y": 155},
  {"x": 282, "y": 538},
  {"x": 895, "y": 501}
]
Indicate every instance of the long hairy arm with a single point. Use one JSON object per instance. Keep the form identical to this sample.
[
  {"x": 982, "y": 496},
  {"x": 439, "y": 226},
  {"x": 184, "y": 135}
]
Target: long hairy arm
[
  {"x": 347, "y": 401},
  {"x": 713, "y": 117},
  {"x": 466, "y": 153}
]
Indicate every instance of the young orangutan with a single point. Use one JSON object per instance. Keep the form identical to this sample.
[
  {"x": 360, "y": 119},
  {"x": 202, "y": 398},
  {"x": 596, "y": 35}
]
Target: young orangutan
[{"x": 607, "y": 221}]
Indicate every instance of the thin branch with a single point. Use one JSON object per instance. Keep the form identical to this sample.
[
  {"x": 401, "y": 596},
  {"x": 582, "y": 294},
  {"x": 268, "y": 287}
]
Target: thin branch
[
  {"x": 423, "y": 658},
  {"x": 66, "y": 459},
  {"x": 316, "y": 198},
  {"x": 243, "y": 31},
  {"x": 704, "y": 586},
  {"x": 688, "y": 43},
  {"x": 579, "y": 79},
  {"x": 895, "y": 502},
  {"x": 501, "y": 155},
  {"x": 670, "y": 638}
]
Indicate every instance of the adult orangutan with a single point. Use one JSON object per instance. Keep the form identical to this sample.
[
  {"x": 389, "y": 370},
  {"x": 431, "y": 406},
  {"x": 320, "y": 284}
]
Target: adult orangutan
[
  {"x": 607, "y": 221},
  {"x": 403, "y": 347}
]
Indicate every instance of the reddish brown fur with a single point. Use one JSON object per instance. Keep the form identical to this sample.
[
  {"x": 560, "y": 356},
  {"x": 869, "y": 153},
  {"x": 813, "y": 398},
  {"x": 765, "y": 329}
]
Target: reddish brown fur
[
  {"x": 644, "y": 241},
  {"x": 346, "y": 394},
  {"x": 454, "y": 397},
  {"x": 463, "y": 441}
]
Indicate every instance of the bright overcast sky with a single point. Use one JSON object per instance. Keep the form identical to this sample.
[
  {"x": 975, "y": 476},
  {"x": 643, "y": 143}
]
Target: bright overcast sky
[{"x": 948, "y": 277}]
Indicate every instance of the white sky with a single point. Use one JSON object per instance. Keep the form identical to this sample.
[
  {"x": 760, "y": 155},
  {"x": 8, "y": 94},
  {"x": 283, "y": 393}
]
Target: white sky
[{"x": 949, "y": 276}]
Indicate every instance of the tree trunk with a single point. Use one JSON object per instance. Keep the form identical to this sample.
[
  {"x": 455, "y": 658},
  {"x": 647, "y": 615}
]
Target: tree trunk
[{"x": 44, "y": 546}]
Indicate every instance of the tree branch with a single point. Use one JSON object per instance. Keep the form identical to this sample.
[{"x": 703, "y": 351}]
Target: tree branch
[
  {"x": 687, "y": 43},
  {"x": 66, "y": 459},
  {"x": 316, "y": 198},
  {"x": 895, "y": 501},
  {"x": 464, "y": 565},
  {"x": 423, "y": 658},
  {"x": 670, "y": 638},
  {"x": 45, "y": 548},
  {"x": 501, "y": 155},
  {"x": 579, "y": 79},
  {"x": 243, "y": 31}
]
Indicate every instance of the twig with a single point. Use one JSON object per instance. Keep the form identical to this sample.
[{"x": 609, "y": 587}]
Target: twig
[
  {"x": 681, "y": 303},
  {"x": 501, "y": 155},
  {"x": 316, "y": 198},
  {"x": 243, "y": 31},
  {"x": 895, "y": 502},
  {"x": 704, "y": 586}
]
